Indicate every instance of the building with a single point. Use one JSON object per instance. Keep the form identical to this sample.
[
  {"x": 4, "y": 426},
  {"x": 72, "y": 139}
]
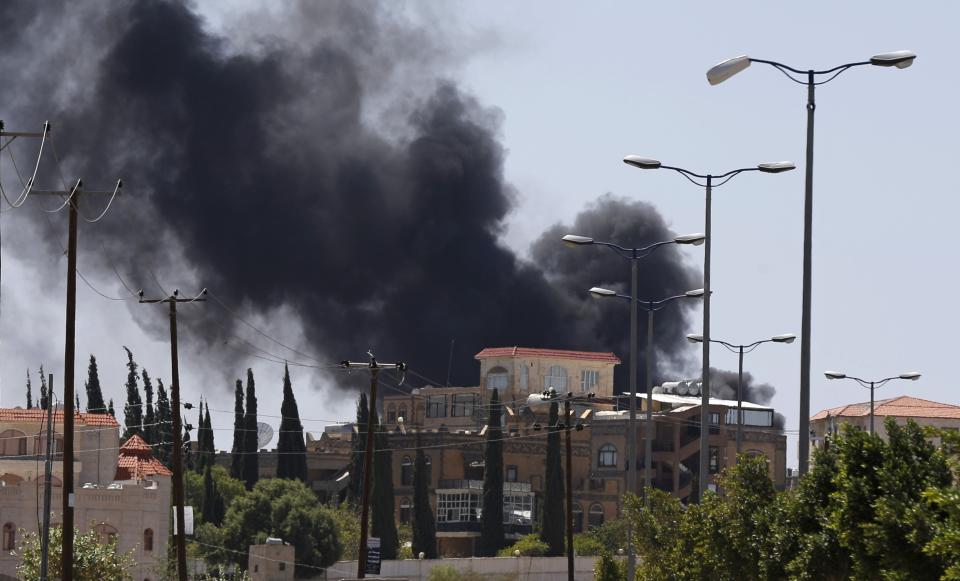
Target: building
[
  {"x": 272, "y": 561},
  {"x": 122, "y": 492},
  {"x": 901, "y": 408},
  {"x": 450, "y": 424}
]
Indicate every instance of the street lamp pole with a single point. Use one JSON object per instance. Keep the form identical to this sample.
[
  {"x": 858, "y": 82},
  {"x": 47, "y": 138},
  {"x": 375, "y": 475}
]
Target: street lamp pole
[
  {"x": 723, "y": 71},
  {"x": 708, "y": 184},
  {"x": 872, "y": 385}
]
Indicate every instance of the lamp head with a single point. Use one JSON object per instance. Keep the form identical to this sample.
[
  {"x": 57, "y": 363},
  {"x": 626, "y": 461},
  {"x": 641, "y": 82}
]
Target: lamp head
[
  {"x": 695, "y": 293},
  {"x": 602, "y": 292},
  {"x": 785, "y": 338},
  {"x": 776, "y": 167},
  {"x": 834, "y": 375},
  {"x": 641, "y": 162},
  {"x": 900, "y": 59},
  {"x": 912, "y": 376},
  {"x": 574, "y": 240},
  {"x": 720, "y": 72},
  {"x": 694, "y": 239},
  {"x": 693, "y": 338}
]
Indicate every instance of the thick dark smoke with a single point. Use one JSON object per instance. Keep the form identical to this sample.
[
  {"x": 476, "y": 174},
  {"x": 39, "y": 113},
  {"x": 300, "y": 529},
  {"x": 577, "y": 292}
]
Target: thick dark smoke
[
  {"x": 321, "y": 165},
  {"x": 723, "y": 385}
]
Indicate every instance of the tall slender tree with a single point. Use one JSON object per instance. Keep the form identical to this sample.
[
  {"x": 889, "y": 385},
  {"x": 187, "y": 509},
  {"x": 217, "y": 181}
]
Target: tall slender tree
[
  {"x": 382, "y": 521},
  {"x": 492, "y": 536},
  {"x": 164, "y": 449},
  {"x": 209, "y": 446},
  {"x": 44, "y": 396},
  {"x": 110, "y": 409},
  {"x": 213, "y": 504},
  {"x": 200, "y": 462},
  {"x": 29, "y": 392},
  {"x": 188, "y": 455},
  {"x": 552, "y": 530},
  {"x": 251, "y": 463},
  {"x": 95, "y": 401},
  {"x": 236, "y": 451},
  {"x": 76, "y": 400},
  {"x": 291, "y": 449},
  {"x": 355, "y": 485},
  {"x": 150, "y": 431},
  {"x": 133, "y": 410},
  {"x": 424, "y": 526}
]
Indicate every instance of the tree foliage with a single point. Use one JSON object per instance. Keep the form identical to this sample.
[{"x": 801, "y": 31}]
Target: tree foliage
[
  {"x": 382, "y": 520},
  {"x": 29, "y": 392},
  {"x": 251, "y": 463},
  {"x": 236, "y": 451},
  {"x": 491, "y": 519},
  {"x": 164, "y": 448},
  {"x": 133, "y": 410},
  {"x": 95, "y": 403},
  {"x": 150, "y": 431},
  {"x": 92, "y": 559},
  {"x": 356, "y": 467},
  {"x": 291, "y": 448}
]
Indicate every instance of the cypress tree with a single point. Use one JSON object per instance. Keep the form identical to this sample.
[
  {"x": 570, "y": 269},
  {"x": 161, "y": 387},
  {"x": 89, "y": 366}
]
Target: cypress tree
[
  {"x": 164, "y": 449},
  {"x": 29, "y": 393},
  {"x": 552, "y": 530},
  {"x": 492, "y": 536},
  {"x": 201, "y": 459},
  {"x": 213, "y": 504},
  {"x": 423, "y": 525},
  {"x": 43, "y": 390},
  {"x": 291, "y": 449},
  {"x": 133, "y": 411},
  {"x": 187, "y": 452},
  {"x": 355, "y": 485},
  {"x": 236, "y": 451},
  {"x": 76, "y": 401},
  {"x": 110, "y": 409},
  {"x": 95, "y": 402},
  {"x": 382, "y": 522},
  {"x": 150, "y": 431},
  {"x": 209, "y": 447},
  {"x": 251, "y": 463}
]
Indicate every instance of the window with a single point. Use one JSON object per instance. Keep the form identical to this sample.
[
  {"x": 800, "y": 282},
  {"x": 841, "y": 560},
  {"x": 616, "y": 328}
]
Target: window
[
  {"x": 607, "y": 457},
  {"x": 40, "y": 444},
  {"x": 283, "y": 566},
  {"x": 511, "y": 473},
  {"x": 391, "y": 414},
  {"x": 406, "y": 471},
  {"x": 714, "y": 460},
  {"x": 714, "y": 418},
  {"x": 517, "y": 508},
  {"x": 459, "y": 506},
  {"x": 497, "y": 378},
  {"x": 402, "y": 411},
  {"x": 524, "y": 376},
  {"x": 9, "y": 537},
  {"x": 463, "y": 405},
  {"x": 436, "y": 406},
  {"x": 589, "y": 378},
  {"x": 556, "y": 378},
  {"x": 405, "y": 511},
  {"x": 596, "y": 515},
  {"x": 13, "y": 443},
  {"x": 148, "y": 540},
  {"x": 759, "y": 418},
  {"x": 107, "y": 533},
  {"x": 577, "y": 517}
]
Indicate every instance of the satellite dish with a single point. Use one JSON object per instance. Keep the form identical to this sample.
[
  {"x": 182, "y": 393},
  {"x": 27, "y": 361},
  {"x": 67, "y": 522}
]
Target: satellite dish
[{"x": 264, "y": 434}]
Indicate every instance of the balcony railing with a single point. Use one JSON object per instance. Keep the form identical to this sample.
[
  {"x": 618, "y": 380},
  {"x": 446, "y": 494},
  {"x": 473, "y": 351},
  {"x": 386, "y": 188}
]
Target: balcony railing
[{"x": 463, "y": 484}]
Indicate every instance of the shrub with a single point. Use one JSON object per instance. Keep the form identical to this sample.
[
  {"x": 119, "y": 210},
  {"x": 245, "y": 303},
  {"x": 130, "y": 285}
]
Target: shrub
[
  {"x": 609, "y": 569},
  {"x": 587, "y": 545},
  {"x": 528, "y": 545}
]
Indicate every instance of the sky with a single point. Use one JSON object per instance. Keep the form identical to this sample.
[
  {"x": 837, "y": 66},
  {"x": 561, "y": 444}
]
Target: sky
[{"x": 575, "y": 88}]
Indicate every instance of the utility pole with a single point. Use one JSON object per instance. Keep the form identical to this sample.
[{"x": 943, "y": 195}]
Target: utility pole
[
  {"x": 374, "y": 368},
  {"x": 567, "y": 420},
  {"x": 72, "y": 203},
  {"x": 47, "y": 469},
  {"x": 179, "y": 534}
]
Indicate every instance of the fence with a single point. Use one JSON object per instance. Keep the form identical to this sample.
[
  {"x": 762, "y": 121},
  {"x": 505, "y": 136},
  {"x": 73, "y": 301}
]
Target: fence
[{"x": 493, "y": 568}]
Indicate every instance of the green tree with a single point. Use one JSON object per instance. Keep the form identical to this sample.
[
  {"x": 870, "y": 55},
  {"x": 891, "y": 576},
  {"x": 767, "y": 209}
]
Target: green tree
[
  {"x": 110, "y": 409},
  {"x": 491, "y": 519},
  {"x": 164, "y": 450},
  {"x": 44, "y": 396},
  {"x": 251, "y": 463},
  {"x": 553, "y": 528},
  {"x": 91, "y": 559},
  {"x": 29, "y": 393},
  {"x": 213, "y": 505},
  {"x": 95, "y": 403},
  {"x": 206, "y": 451},
  {"x": 236, "y": 451},
  {"x": 423, "y": 524},
  {"x": 227, "y": 487},
  {"x": 348, "y": 530},
  {"x": 133, "y": 410},
  {"x": 609, "y": 569},
  {"x": 356, "y": 466},
  {"x": 150, "y": 432},
  {"x": 382, "y": 521},
  {"x": 287, "y": 509},
  {"x": 291, "y": 448}
]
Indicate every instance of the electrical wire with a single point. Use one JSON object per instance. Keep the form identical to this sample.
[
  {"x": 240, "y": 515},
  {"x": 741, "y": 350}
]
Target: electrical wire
[{"x": 28, "y": 186}]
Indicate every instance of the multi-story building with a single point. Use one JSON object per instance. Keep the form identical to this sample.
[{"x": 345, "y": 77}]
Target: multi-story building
[
  {"x": 122, "y": 492},
  {"x": 450, "y": 424},
  {"x": 901, "y": 408}
]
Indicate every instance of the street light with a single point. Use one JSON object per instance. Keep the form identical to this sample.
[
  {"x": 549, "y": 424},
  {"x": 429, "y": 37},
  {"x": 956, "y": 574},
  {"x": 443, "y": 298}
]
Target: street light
[
  {"x": 723, "y": 71},
  {"x": 633, "y": 255},
  {"x": 871, "y": 385},
  {"x": 741, "y": 349},
  {"x": 708, "y": 185},
  {"x": 651, "y": 307}
]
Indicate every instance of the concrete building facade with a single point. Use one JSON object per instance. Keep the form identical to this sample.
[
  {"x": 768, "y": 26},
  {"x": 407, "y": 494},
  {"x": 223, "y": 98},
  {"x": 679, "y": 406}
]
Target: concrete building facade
[{"x": 901, "y": 408}]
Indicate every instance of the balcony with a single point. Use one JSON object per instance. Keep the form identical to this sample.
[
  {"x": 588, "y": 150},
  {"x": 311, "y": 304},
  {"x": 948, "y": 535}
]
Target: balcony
[{"x": 462, "y": 484}]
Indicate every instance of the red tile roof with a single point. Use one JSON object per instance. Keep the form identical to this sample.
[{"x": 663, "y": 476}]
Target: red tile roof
[
  {"x": 35, "y": 415},
  {"x": 903, "y": 406},
  {"x": 605, "y": 357},
  {"x": 136, "y": 461}
]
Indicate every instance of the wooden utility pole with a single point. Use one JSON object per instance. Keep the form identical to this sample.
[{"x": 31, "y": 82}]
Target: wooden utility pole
[
  {"x": 567, "y": 420},
  {"x": 47, "y": 469},
  {"x": 180, "y": 538},
  {"x": 374, "y": 368}
]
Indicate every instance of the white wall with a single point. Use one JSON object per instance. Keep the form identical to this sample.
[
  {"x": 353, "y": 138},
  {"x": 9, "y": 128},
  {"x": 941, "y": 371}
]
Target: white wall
[{"x": 512, "y": 568}]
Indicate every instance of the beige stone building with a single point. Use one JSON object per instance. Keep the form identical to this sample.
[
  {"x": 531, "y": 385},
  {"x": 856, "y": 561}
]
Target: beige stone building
[
  {"x": 121, "y": 492},
  {"x": 271, "y": 561},
  {"x": 901, "y": 408}
]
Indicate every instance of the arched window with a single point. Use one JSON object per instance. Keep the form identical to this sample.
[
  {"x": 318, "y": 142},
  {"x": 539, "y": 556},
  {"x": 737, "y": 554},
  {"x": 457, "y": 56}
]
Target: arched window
[
  {"x": 391, "y": 413},
  {"x": 497, "y": 378},
  {"x": 402, "y": 412},
  {"x": 596, "y": 515},
  {"x": 148, "y": 540},
  {"x": 13, "y": 443},
  {"x": 556, "y": 378},
  {"x": 577, "y": 517},
  {"x": 607, "y": 456},
  {"x": 9, "y": 537},
  {"x": 107, "y": 533},
  {"x": 406, "y": 471}
]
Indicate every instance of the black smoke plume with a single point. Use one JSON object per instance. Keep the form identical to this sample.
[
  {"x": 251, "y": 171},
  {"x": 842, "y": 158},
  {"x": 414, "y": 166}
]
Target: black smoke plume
[{"x": 314, "y": 159}]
